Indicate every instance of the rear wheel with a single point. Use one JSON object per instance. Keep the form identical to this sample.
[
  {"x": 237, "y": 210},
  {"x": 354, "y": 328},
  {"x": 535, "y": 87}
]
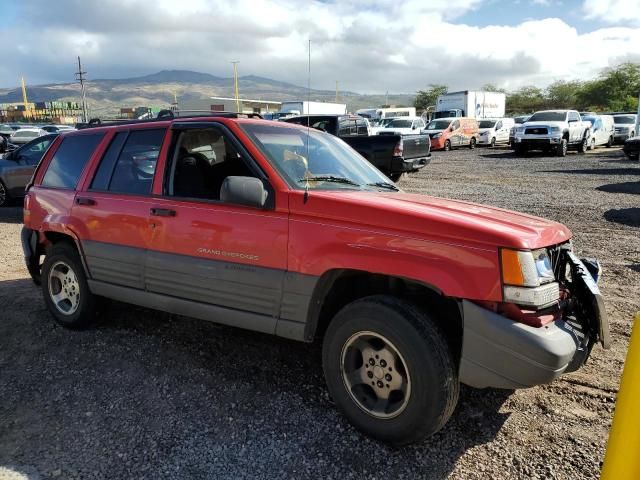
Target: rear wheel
[
  {"x": 472, "y": 143},
  {"x": 592, "y": 145},
  {"x": 561, "y": 149},
  {"x": 4, "y": 195},
  {"x": 65, "y": 288},
  {"x": 609, "y": 142},
  {"x": 447, "y": 145},
  {"x": 389, "y": 369}
]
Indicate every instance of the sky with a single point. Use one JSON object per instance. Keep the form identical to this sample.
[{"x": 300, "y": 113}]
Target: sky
[{"x": 368, "y": 46}]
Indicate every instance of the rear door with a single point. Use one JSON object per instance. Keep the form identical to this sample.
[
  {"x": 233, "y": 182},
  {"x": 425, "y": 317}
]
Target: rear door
[
  {"x": 209, "y": 251},
  {"x": 114, "y": 208}
]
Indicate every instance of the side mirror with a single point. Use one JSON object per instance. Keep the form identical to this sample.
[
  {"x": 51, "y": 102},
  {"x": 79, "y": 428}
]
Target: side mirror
[
  {"x": 248, "y": 191},
  {"x": 413, "y": 127}
]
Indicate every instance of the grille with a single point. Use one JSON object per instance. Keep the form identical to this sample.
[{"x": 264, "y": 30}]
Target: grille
[{"x": 536, "y": 131}]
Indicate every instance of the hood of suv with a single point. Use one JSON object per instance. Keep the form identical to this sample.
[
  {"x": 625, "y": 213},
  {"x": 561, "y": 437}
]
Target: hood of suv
[{"x": 440, "y": 219}]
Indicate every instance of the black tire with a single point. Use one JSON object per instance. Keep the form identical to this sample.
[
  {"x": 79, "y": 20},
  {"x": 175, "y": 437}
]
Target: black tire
[
  {"x": 395, "y": 177},
  {"x": 582, "y": 148},
  {"x": 493, "y": 142},
  {"x": 561, "y": 149},
  {"x": 592, "y": 144},
  {"x": 64, "y": 256},
  {"x": 472, "y": 143},
  {"x": 430, "y": 370},
  {"x": 5, "y": 198},
  {"x": 518, "y": 150},
  {"x": 609, "y": 142},
  {"x": 447, "y": 145}
]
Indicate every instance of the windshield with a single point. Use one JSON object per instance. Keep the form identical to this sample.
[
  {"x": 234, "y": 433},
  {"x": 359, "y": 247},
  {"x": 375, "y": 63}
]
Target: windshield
[
  {"x": 438, "y": 125},
  {"x": 624, "y": 119},
  {"x": 487, "y": 123},
  {"x": 399, "y": 123},
  {"x": 548, "y": 117},
  {"x": 309, "y": 159}
]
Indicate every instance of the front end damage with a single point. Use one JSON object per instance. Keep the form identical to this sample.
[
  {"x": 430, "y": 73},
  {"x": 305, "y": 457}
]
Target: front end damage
[{"x": 510, "y": 346}]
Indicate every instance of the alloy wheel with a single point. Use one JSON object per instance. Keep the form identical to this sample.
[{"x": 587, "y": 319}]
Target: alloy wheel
[
  {"x": 64, "y": 288},
  {"x": 375, "y": 375}
]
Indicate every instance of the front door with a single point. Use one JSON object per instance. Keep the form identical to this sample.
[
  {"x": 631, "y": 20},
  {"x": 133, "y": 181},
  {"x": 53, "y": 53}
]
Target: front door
[{"x": 207, "y": 250}]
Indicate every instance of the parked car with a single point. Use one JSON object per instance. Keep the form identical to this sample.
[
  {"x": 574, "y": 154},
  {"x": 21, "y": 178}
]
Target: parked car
[
  {"x": 58, "y": 128},
  {"x": 402, "y": 126},
  {"x": 625, "y": 125},
  {"x": 393, "y": 155},
  {"x": 553, "y": 130},
  {"x": 632, "y": 148},
  {"x": 17, "y": 167},
  {"x": 602, "y": 130},
  {"x": 448, "y": 133},
  {"x": 286, "y": 230},
  {"x": 494, "y": 131},
  {"x": 517, "y": 121},
  {"x": 6, "y": 130},
  {"x": 25, "y": 135}
]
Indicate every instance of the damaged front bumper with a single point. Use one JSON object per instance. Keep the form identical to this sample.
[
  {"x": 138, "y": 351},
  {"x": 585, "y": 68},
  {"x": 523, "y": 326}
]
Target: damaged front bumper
[{"x": 501, "y": 353}]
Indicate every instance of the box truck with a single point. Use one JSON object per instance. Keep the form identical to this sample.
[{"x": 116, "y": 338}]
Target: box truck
[
  {"x": 313, "y": 108},
  {"x": 472, "y": 104}
]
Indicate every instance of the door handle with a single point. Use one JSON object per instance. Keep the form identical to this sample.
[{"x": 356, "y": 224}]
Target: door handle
[
  {"x": 163, "y": 212},
  {"x": 85, "y": 201}
]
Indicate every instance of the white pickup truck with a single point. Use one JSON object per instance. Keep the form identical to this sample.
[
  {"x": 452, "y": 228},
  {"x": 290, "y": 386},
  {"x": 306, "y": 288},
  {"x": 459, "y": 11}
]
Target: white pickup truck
[{"x": 553, "y": 131}]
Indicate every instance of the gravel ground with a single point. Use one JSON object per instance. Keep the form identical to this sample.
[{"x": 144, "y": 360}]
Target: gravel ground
[{"x": 150, "y": 395}]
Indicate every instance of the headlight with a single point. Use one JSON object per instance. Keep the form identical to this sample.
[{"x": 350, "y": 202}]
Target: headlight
[
  {"x": 520, "y": 130},
  {"x": 437, "y": 135},
  {"x": 528, "y": 278},
  {"x": 554, "y": 130}
]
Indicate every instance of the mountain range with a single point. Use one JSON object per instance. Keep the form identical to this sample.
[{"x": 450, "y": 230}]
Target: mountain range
[{"x": 107, "y": 96}]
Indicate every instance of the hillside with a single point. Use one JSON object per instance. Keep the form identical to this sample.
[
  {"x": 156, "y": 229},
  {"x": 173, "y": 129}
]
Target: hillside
[{"x": 106, "y": 96}]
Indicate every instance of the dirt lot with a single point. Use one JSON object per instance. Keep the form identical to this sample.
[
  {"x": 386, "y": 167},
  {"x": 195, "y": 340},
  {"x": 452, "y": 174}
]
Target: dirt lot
[{"x": 148, "y": 395}]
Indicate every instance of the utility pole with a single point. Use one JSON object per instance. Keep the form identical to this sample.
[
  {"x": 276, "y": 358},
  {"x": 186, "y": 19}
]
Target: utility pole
[
  {"x": 80, "y": 77},
  {"x": 235, "y": 84}
]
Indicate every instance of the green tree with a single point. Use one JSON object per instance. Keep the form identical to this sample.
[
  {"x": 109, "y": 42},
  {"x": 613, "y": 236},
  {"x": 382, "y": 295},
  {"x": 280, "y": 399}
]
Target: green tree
[
  {"x": 562, "y": 94},
  {"x": 526, "y": 100},
  {"x": 490, "y": 87},
  {"x": 427, "y": 98},
  {"x": 615, "y": 89}
]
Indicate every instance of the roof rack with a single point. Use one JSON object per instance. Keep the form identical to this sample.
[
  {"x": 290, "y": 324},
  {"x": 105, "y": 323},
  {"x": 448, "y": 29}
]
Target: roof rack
[{"x": 165, "y": 115}]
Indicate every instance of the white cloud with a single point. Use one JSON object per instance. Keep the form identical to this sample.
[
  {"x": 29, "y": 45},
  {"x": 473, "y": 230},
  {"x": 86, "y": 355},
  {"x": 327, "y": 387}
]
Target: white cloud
[
  {"x": 367, "y": 45},
  {"x": 613, "y": 11}
]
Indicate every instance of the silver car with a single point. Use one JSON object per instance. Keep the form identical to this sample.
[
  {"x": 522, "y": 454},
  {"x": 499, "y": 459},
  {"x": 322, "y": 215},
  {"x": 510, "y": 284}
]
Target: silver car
[
  {"x": 26, "y": 134},
  {"x": 17, "y": 167}
]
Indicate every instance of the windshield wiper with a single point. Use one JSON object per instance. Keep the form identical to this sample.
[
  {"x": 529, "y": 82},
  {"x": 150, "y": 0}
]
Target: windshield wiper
[
  {"x": 388, "y": 186},
  {"x": 329, "y": 178}
]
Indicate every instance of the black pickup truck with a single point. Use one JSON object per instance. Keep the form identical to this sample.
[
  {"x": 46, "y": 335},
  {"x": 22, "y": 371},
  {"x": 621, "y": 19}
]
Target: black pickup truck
[{"x": 393, "y": 155}]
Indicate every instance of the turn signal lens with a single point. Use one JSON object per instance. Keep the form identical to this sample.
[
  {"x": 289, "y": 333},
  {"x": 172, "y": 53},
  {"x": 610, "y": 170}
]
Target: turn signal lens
[{"x": 519, "y": 268}]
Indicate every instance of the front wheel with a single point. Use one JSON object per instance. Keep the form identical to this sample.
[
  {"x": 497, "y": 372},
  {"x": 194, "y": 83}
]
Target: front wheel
[
  {"x": 395, "y": 177},
  {"x": 592, "y": 145},
  {"x": 447, "y": 145},
  {"x": 389, "y": 369},
  {"x": 609, "y": 142},
  {"x": 583, "y": 146},
  {"x": 65, "y": 288},
  {"x": 472, "y": 143},
  {"x": 561, "y": 149},
  {"x": 493, "y": 142}
]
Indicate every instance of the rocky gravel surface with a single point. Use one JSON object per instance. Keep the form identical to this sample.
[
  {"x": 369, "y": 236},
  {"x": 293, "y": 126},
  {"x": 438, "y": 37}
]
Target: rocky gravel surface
[{"x": 150, "y": 395}]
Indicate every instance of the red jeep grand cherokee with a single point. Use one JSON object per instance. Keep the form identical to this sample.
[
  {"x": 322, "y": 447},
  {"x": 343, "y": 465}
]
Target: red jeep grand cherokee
[{"x": 285, "y": 230}]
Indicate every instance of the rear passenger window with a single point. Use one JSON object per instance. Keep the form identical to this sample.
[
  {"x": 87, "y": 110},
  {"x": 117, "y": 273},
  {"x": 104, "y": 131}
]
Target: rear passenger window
[
  {"x": 129, "y": 163},
  {"x": 69, "y": 160}
]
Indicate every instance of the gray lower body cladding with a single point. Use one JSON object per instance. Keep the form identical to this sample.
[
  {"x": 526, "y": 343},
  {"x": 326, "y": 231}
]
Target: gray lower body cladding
[
  {"x": 500, "y": 353},
  {"x": 264, "y": 299}
]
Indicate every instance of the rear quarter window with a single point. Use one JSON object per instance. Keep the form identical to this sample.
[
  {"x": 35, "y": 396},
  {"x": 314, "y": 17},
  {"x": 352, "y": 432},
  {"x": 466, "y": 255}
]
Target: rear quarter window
[{"x": 70, "y": 159}]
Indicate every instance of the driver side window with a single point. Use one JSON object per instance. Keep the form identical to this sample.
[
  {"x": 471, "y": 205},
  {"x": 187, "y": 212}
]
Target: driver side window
[
  {"x": 455, "y": 125},
  {"x": 203, "y": 158}
]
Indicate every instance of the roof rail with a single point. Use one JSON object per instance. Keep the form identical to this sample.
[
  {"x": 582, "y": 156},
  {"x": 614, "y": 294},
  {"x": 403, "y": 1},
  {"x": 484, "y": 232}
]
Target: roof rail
[{"x": 164, "y": 115}]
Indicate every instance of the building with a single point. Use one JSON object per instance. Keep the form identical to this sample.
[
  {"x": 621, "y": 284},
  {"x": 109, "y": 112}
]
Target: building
[
  {"x": 225, "y": 104},
  {"x": 41, "y": 112}
]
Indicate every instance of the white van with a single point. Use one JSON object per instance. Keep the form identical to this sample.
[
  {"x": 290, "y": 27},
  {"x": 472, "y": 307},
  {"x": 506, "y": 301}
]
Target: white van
[
  {"x": 494, "y": 131},
  {"x": 603, "y": 130},
  {"x": 402, "y": 126}
]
